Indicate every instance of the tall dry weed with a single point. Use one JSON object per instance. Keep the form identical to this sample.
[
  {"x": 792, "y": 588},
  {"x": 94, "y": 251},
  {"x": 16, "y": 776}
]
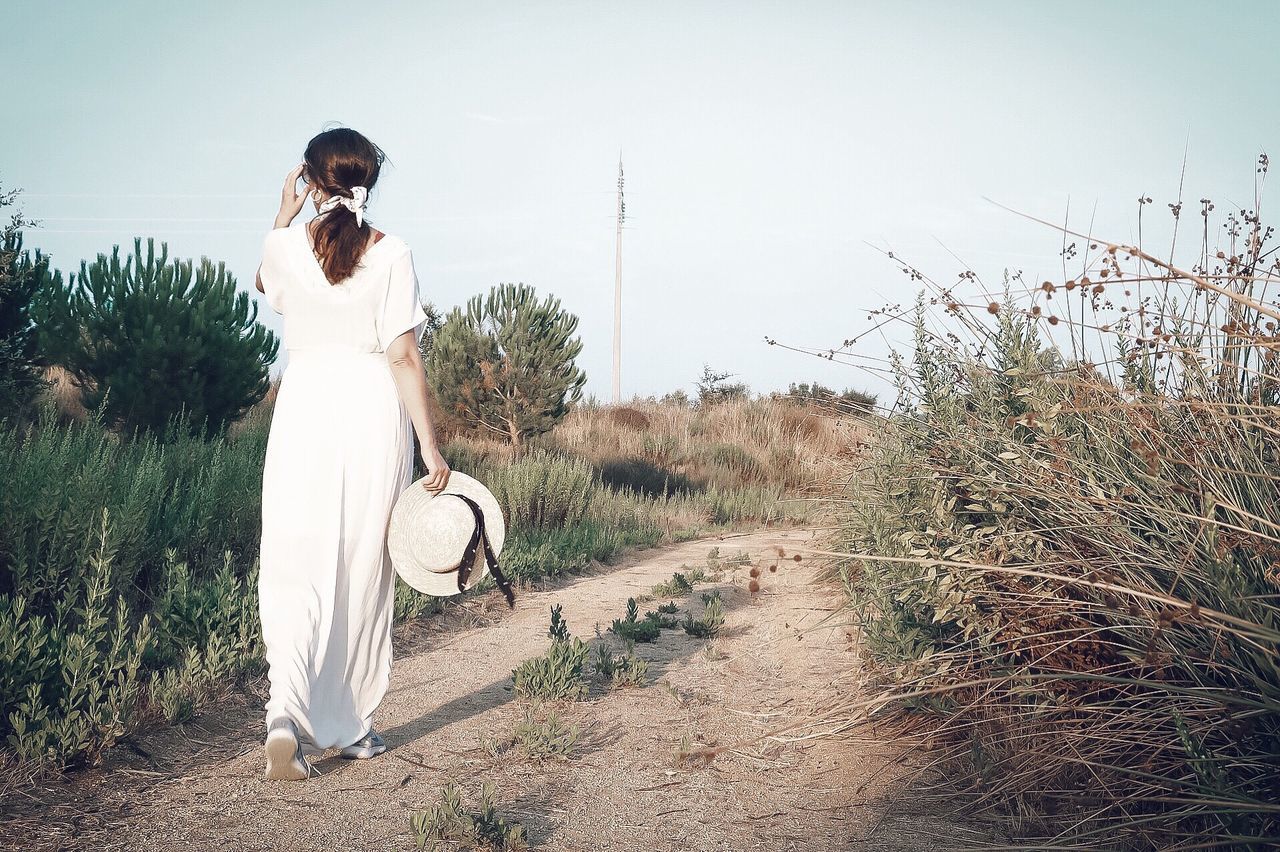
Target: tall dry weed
[{"x": 1064, "y": 544}]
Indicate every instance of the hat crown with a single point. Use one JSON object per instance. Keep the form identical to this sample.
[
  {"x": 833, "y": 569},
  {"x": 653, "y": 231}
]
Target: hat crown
[{"x": 429, "y": 533}]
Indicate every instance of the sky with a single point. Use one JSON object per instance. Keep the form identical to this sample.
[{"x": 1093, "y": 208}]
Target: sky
[{"x": 773, "y": 152}]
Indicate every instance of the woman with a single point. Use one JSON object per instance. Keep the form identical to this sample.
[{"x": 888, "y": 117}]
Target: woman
[{"x": 339, "y": 453}]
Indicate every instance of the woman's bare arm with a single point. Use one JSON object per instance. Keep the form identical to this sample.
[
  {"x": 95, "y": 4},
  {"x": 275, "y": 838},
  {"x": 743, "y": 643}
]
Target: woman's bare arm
[{"x": 411, "y": 382}]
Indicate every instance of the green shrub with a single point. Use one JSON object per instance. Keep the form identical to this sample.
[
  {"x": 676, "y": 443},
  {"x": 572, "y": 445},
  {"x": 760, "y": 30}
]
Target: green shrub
[
  {"x": 411, "y": 603},
  {"x": 447, "y": 825},
  {"x": 558, "y": 629},
  {"x": 20, "y": 276},
  {"x": 742, "y": 466},
  {"x": 714, "y": 387},
  {"x": 198, "y": 498},
  {"x": 540, "y": 735},
  {"x": 544, "y": 490},
  {"x": 504, "y": 366},
  {"x": 677, "y": 587},
  {"x": 71, "y": 682},
  {"x": 660, "y": 619},
  {"x": 556, "y": 675},
  {"x": 712, "y": 617},
  {"x": 157, "y": 344},
  {"x": 618, "y": 672},
  {"x": 208, "y": 637},
  {"x": 633, "y": 628}
]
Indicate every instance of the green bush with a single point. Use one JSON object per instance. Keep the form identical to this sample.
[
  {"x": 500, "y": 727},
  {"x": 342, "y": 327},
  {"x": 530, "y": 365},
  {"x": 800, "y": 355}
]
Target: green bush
[
  {"x": 712, "y": 617},
  {"x": 199, "y": 498},
  {"x": 544, "y": 490},
  {"x": 633, "y": 628},
  {"x": 70, "y": 682},
  {"x": 541, "y": 735},
  {"x": 448, "y": 825},
  {"x": 618, "y": 672},
  {"x": 20, "y": 277},
  {"x": 559, "y": 629},
  {"x": 504, "y": 366},
  {"x": 157, "y": 345},
  {"x": 556, "y": 675}
]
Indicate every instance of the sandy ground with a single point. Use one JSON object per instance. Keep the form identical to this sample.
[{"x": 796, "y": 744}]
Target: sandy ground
[{"x": 784, "y": 652}]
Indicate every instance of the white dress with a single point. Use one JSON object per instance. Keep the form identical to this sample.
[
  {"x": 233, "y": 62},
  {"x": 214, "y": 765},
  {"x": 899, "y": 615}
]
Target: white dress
[{"x": 339, "y": 453}]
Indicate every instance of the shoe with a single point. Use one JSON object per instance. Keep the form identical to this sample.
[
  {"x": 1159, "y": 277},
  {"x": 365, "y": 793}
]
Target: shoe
[
  {"x": 285, "y": 761},
  {"x": 370, "y": 745}
]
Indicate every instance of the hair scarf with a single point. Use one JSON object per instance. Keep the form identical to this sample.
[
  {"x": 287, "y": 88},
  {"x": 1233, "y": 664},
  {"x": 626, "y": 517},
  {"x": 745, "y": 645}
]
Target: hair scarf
[{"x": 355, "y": 203}]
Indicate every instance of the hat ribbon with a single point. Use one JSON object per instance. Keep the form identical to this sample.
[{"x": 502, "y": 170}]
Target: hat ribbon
[{"x": 479, "y": 536}]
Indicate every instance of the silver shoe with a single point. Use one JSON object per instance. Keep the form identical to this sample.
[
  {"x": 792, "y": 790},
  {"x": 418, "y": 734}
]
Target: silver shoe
[
  {"x": 285, "y": 761},
  {"x": 370, "y": 745}
]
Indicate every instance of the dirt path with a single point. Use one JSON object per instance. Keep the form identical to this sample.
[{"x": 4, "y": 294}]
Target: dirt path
[{"x": 782, "y": 650}]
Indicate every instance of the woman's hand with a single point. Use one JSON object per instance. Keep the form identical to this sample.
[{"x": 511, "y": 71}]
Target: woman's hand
[
  {"x": 437, "y": 469},
  {"x": 291, "y": 200}
]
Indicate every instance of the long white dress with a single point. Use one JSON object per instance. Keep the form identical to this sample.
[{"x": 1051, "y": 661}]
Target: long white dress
[{"x": 339, "y": 453}]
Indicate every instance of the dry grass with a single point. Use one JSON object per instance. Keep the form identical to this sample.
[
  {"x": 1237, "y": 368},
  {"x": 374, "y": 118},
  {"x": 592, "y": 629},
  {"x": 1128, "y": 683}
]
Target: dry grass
[
  {"x": 762, "y": 441},
  {"x": 1063, "y": 546}
]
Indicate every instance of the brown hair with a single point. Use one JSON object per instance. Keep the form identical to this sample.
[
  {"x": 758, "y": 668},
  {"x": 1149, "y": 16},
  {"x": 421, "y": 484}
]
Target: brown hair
[{"x": 337, "y": 160}]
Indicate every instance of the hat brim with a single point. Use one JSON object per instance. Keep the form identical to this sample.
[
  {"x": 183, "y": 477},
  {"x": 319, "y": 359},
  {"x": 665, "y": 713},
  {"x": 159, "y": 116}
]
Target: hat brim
[{"x": 408, "y": 535}]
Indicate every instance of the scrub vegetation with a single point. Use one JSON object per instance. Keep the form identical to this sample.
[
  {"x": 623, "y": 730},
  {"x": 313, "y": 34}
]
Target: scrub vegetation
[{"x": 1064, "y": 544}]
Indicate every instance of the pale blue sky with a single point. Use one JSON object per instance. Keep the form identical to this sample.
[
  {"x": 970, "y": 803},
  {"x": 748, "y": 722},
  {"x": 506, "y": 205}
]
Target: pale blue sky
[{"x": 769, "y": 146}]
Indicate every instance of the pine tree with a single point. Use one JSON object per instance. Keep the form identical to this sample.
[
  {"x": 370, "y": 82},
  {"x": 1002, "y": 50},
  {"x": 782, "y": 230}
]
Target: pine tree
[
  {"x": 20, "y": 275},
  {"x": 505, "y": 366},
  {"x": 155, "y": 342}
]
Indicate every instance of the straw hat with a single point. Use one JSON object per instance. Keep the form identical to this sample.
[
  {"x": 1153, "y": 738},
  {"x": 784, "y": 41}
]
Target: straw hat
[{"x": 430, "y": 534}]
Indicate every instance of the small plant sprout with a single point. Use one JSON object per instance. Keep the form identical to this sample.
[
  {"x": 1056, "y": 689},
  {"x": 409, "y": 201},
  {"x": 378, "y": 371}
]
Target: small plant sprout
[
  {"x": 448, "y": 825},
  {"x": 712, "y": 617},
  {"x": 559, "y": 629}
]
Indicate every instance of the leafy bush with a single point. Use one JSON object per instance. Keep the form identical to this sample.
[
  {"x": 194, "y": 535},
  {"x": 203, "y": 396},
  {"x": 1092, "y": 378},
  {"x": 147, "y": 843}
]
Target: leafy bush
[
  {"x": 20, "y": 276},
  {"x": 447, "y": 825},
  {"x": 556, "y": 675},
  {"x": 634, "y": 629},
  {"x": 155, "y": 343},
  {"x": 71, "y": 681},
  {"x": 198, "y": 498},
  {"x": 677, "y": 587},
  {"x": 540, "y": 735},
  {"x": 715, "y": 388},
  {"x": 505, "y": 366},
  {"x": 619, "y": 672},
  {"x": 544, "y": 490},
  {"x": 712, "y": 617},
  {"x": 660, "y": 619},
  {"x": 857, "y": 401},
  {"x": 558, "y": 629}
]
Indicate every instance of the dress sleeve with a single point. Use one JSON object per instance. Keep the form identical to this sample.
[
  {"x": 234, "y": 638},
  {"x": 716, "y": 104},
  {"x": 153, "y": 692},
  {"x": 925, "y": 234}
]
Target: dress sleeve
[
  {"x": 401, "y": 308},
  {"x": 274, "y": 270}
]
